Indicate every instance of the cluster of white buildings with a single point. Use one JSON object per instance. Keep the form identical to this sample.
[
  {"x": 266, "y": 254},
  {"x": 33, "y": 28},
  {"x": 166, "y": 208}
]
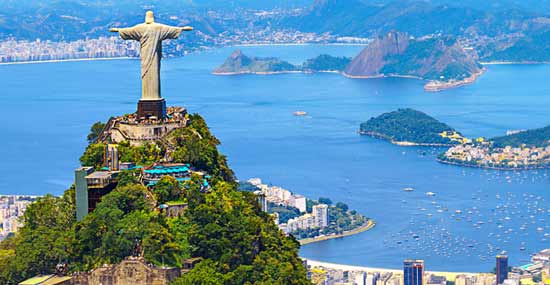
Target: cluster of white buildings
[
  {"x": 317, "y": 219},
  {"x": 280, "y": 196},
  {"x": 12, "y": 50},
  {"x": 11, "y": 209},
  {"x": 507, "y": 156}
]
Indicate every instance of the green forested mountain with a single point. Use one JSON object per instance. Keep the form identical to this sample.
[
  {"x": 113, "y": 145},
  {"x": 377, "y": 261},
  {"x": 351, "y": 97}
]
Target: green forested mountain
[
  {"x": 532, "y": 138},
  {"x": 325, "y": 62},
  {"x": 238, "y": 242}
]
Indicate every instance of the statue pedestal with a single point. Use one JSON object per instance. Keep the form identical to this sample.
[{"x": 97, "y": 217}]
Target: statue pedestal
[{"x": 151, "y": 108}]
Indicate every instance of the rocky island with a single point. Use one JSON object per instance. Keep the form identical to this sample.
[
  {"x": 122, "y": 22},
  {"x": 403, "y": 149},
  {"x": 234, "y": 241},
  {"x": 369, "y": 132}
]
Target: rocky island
[
  {"x": 239, "y": 63},
  {"x": 440, "y": 60},
  {"x": 408, "y": 127}
]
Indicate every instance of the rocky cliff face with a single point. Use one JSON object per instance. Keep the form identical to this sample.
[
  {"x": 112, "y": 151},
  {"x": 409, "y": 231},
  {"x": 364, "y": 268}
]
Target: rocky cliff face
[
  {"x": 431, "y": 58},
  {"x": 373, "y": 58}
]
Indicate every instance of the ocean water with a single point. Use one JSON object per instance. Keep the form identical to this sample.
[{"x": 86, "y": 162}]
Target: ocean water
[{"x": 47, "y": 110}]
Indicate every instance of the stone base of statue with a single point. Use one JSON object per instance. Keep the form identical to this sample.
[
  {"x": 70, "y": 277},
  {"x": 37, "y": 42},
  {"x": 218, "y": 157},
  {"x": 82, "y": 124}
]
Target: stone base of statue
[{"x": 151, "y": 108}]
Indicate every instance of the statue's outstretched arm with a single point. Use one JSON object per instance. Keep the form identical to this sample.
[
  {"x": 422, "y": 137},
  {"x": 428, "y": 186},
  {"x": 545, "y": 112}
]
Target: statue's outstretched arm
[{"x": 132, "y": 33}]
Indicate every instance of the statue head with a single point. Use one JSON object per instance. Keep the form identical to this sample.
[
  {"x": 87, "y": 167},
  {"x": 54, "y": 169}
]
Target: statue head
[{"x": 149, "y": 17}]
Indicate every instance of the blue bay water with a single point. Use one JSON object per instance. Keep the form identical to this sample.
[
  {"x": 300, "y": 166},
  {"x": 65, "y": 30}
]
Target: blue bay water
[{"x": 48, "y": 108}]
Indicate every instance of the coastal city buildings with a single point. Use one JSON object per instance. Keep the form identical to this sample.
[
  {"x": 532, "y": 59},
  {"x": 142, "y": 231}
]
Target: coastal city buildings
[
  {"x": 317, "y": 219},
  {"x": 536, "y": 272},
  {"x": 12, "y": 50},
  {"x": 11, "y": 210},
  {"x": 280, "y": 196},
  {"x": 324, "y": 273},
  {"x": 19, "y": 50},
  {"x": 303, "y": 222},
  {"x": 508, "y": 157}
]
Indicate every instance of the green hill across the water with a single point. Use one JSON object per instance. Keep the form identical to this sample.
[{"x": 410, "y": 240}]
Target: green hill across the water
[{"x": 409, "y": 127}]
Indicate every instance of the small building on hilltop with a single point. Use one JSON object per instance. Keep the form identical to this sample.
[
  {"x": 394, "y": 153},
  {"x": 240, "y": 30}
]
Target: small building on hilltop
[
  {"x": 138, "y": 131},
  {"x": 132, "y": 270}
]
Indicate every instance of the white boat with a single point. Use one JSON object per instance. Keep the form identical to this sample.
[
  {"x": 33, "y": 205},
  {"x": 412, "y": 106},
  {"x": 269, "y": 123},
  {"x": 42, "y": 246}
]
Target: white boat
[
  {"x": 300, "y": 113},
  {"x": 431, "y": 194},
  {"x": 408, "y": 189}
]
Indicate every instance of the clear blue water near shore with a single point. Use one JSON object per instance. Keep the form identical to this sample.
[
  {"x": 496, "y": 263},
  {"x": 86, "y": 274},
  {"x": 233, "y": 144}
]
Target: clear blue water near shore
[{"x": 48, "y": 109}]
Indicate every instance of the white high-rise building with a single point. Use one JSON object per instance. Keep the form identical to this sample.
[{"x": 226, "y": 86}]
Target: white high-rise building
[
  {"x": 299, "y": 202},
  {"x": 360, "y": 278},
  {"x": 320, "y": 213},
  {"x": 372, "y": 278}
]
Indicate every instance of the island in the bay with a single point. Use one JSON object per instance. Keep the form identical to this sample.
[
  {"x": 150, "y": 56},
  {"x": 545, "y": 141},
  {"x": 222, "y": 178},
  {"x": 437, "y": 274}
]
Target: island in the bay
[
  {"x": 409, "y": 127},
  {"x": 239, "y": 63},
  {"x": 524, "y": 149},
  {"x": 440, "y": 60}
]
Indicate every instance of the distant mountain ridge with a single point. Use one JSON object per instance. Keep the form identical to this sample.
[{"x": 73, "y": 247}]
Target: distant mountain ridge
[{"x": 499, "y": 30}]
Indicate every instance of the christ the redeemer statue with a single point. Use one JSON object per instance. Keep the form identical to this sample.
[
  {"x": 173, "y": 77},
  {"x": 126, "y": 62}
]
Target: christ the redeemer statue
[{"x": 150, "y": 35}]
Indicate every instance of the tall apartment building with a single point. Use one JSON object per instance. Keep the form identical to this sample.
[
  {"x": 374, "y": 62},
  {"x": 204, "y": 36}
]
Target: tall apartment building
[
  {"x": 413, "y": 272},
  {"x": 320, "y": 213}
]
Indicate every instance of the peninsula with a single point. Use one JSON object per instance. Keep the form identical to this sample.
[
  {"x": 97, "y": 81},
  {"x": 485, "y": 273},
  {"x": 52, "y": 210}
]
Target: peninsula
[
  {"x": 440, "y": 60},
  {"x": 239, "y": 63},
  {"x": 520, "y": 150},
  {"x": 408, "y": 127},
  {"x": 306, "y": 219}
]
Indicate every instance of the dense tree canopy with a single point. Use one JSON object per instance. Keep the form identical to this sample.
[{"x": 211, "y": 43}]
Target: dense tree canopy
[
  {"x": 95, "y": 131},
  {"x": 407, "y": 125}
]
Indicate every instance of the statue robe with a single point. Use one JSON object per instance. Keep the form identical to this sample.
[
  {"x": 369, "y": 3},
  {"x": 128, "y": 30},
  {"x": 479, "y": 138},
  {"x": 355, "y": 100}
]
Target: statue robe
[{"x": 150, "y": 37}]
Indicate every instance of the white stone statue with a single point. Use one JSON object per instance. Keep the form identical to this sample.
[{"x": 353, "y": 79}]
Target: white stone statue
[{"x": 150, "y": 35}]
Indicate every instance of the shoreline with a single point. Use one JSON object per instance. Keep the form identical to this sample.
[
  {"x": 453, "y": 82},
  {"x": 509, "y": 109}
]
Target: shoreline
[
  {"x": 273, "y": 72},
  {"x": 381, "y": 76},
  {"x": 401, "y": 143},
  {"x": 450, "y": 275},
  {"x": 436, "y": 86},
  {"x": 513, "y": 62},
  {"x": 297, "y": 44},
  {"x": 67, "y": 60},
  {"x": 368, "y": 226},
  {"x": 444, "y": 161}
]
